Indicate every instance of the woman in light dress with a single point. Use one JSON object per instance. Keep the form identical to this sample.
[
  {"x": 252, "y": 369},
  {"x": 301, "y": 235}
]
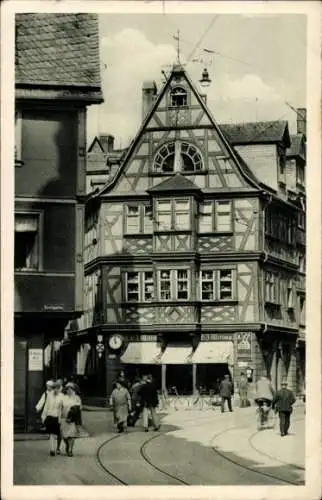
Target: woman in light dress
[
  {"x": 70, "y": 417},
  {"x": 120, "y": 401}
]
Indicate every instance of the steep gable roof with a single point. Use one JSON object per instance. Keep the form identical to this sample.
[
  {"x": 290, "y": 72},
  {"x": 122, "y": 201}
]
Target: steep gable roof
[
  {"x": 175, "y": 183},
  {"x": 251, "y": 178},
  {"x": 57, "y": 50},
  {"x": 257, "y": 132},
  {"x": 104, "y": 141}
]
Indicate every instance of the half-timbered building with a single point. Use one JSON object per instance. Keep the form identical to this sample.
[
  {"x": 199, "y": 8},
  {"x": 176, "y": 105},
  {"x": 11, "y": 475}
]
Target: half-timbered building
[{"x": 192, "y": 250}]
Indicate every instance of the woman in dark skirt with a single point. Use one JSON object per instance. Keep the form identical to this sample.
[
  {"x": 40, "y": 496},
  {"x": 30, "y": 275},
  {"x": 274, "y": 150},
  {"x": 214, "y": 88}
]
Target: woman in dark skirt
[{"x": 52, "y": 416}]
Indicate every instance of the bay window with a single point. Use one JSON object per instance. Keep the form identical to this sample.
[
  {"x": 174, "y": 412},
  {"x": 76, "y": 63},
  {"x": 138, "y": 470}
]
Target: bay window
[
  {"x": 174, "y": 215},
  {"x": 225, "y": 284},
  {"x": 139, "y": 286},
  {"x": 164, "y": 215},
  {"x": 215, "y": 216},
  {"x": 138, "y": 218},
  {"x": 148, "y": 286},
  {"x": 132, "y": 287},
  {"x": 217, "y": 284},
  {"x": 181, "y": 214},
  {"x": 174, "y": 284}
]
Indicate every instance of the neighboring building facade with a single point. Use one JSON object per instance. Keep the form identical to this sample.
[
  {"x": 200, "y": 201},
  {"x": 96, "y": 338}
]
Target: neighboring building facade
[
  {"x": 192, "y": 252},
  {"x": 57, "y": 76}
]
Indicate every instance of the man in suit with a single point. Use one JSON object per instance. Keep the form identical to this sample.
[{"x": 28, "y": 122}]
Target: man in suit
[
  {"x": 226, "y": 391},
  {"x": 149, "y": 399},
  {"x": 243, "y": 390},
  {"x": 282, "y": 403}
]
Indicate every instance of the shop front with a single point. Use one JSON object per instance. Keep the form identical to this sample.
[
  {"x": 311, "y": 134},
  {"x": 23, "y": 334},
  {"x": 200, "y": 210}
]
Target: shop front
[{"x": 179, "y": 368}]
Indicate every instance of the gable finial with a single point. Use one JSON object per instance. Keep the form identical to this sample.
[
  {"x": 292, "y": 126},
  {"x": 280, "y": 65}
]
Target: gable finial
[{"x": 177, "y": 38}]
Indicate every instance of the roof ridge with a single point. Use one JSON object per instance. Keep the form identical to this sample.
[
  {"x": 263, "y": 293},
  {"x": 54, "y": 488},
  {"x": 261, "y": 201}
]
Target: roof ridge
[{"x": 176, "y": 182}]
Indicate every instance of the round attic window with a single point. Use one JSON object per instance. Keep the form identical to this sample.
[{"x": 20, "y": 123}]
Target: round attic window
[{"x": 178, "y": 157}]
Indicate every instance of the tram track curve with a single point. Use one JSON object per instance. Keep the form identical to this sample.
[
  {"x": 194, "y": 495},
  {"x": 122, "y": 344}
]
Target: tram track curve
[
  {"x": 250, "y": 469},
  {"x": 143, "y": 453}
]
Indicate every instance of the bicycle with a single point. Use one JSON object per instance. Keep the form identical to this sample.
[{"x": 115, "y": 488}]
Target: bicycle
[{"x": 263, "y": 412}]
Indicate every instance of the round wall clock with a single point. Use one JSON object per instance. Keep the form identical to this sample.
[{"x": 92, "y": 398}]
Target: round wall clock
[{"x": 115, "y": 341}]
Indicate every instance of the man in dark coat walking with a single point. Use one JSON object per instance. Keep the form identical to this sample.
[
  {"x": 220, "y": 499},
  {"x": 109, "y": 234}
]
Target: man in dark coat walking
[
  {"x": 282, "y": 403},
  {"x": 149, "y": 400},
  {"x": 226, "y": 391}
]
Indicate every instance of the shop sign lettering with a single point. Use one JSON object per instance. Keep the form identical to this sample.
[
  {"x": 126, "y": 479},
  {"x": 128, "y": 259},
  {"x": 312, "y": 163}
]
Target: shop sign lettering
[
  {"x": 217, "y": 336},
  {"x": 53, "y": 307},
  {"x": 142, "y": 338}
]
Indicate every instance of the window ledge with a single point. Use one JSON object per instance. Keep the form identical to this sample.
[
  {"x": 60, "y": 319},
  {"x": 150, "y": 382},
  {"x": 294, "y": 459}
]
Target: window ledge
[
  {"x": 216, "y": 233},
  {"x": 26, "y": 270},
  {"x": 138, "y": 235},
  {"x": 171, "y": 231},
  {"x": 180, "y": 302},
  {"x": 212, "y": 302},
  {"x": 183, "y": 106},
  {"x": 182, "y": 172}
]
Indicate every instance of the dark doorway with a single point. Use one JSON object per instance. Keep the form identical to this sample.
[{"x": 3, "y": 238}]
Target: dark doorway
[
  {"x": 133, "y": 371},
  {"x": 209, "y": 376},
  {"x": 179, "y": 379}
]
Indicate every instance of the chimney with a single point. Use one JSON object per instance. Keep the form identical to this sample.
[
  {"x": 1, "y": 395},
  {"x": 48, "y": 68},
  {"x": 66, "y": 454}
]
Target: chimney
[
  {"x": 110, "y": 143},
  {"x": 149, "y": 92},
  {"x": 301, "y": 121}
]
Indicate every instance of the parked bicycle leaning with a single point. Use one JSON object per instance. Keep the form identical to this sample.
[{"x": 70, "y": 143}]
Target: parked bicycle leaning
[{"x": 263, "y": 399}]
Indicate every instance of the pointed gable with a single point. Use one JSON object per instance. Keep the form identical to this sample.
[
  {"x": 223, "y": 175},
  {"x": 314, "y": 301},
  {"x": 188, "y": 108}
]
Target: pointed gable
[
  {"x": 180, "y": 114},
  {"x": 175, "y": 184},
  {"x": 96, "y": 146}
]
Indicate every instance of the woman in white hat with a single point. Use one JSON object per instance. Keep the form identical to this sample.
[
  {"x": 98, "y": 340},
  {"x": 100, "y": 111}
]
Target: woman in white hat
[{"x": 71, "y": 416}]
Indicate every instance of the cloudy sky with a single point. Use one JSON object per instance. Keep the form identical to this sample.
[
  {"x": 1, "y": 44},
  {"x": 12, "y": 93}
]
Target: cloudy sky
[{"x": 259, "y": 65}]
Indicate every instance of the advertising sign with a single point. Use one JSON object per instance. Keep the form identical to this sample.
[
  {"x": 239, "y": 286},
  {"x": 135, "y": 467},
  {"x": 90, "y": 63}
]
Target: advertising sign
[{"x": 35, "y": 360}]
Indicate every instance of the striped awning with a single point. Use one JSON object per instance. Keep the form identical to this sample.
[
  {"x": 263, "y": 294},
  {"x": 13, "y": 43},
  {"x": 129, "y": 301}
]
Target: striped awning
[
  {"x": 141, "y": 353},
  {"x": 214, "y": 352},
  {"x": 176, "y": 355}
]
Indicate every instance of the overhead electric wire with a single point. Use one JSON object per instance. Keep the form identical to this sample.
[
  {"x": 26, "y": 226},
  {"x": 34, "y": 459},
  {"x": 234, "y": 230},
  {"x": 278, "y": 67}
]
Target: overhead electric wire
[
  {"x": 214, "y": 19},
  {"x": 235, "y": 59}
]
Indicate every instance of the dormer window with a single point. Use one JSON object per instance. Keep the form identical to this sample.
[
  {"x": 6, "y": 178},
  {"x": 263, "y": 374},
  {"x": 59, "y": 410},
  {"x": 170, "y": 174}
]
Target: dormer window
[
  {"x": 178, "y": 157},
  {"x": 178, "y": 97}
]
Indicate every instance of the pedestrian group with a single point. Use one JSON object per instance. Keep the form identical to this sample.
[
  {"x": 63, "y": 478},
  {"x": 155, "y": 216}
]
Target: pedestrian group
[
  {"x": 128, "y": 403},
  {"x": 60, "y": 406}
]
